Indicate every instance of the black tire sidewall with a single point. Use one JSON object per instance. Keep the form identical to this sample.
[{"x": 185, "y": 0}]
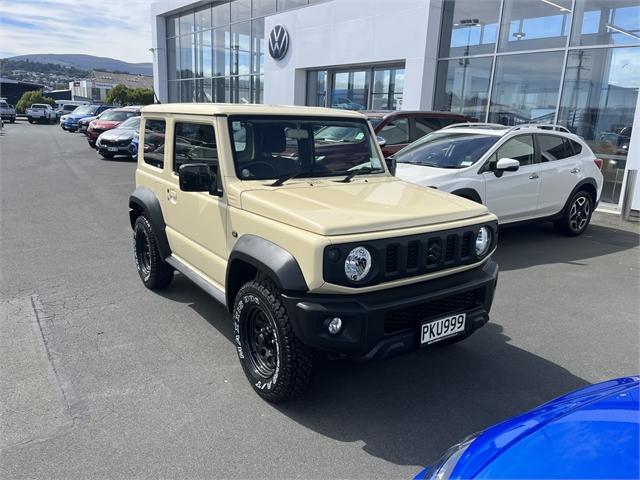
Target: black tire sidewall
[
  {"x": 251, "y": 296},
  {"x": 567, "y": 215}
]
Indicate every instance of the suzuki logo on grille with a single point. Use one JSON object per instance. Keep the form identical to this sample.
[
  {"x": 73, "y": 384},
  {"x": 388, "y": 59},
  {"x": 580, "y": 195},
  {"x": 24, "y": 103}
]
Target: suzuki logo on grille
[
  {"x": 278, "y": 42},
  {"x": 433, "y": 254}
]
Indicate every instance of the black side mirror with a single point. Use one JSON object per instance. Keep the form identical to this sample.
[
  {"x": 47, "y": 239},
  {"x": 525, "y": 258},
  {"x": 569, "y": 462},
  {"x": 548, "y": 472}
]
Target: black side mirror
[
  {"x": 391, "y": 164},
  {"x": 196, "y": 177}
]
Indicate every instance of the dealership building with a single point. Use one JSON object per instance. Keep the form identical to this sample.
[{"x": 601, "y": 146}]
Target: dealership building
[{"x": 571, "y": 62}]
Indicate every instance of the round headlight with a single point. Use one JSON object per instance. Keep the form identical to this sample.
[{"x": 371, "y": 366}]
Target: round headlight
[
  {"x": 357, "y": 264},
  {"x": 483, "y": 241}
]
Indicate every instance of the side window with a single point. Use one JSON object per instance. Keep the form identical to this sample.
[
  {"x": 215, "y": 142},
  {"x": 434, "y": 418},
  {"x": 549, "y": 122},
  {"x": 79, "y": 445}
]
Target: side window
[
  {"x": 519, "y": 148},
  {"x": 153, "y": 142},
  {"x": 577, "y": 148},
  {"x": 425, "y": 126},
  {"x": 194, "y": 143},
  {"x": 396, "y": 132},
  {"x": 553, "y": 147}
]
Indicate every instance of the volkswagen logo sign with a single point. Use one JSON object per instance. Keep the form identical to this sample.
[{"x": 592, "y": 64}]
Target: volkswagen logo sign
[{"x": 278, "y": 42}]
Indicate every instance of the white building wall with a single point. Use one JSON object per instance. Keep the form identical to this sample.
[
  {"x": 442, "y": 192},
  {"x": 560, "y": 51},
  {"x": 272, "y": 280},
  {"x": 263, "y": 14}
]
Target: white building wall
[{"x": 350, "y": 32}]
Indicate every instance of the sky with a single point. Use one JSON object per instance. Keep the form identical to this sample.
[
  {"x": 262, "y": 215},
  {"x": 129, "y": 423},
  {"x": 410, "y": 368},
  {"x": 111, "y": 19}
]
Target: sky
[{"x": 119, "y": 29}]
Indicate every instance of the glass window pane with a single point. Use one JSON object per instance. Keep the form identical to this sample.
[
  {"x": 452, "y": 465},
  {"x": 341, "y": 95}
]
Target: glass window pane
[
  {"x": 240, "y": 10},
  {"x": 316, "y": 87},
  {"x": 173, "y": 67},
  {"x": 203, "y": 90},
  {"x": 257, "y": 47},
  {"x": 534, "y": 25},
  {"x": 598, "y": 103},
  {"x": 187, "y": 91},
  {"x": 258, "y": 88},
  {"x": 174, "y": 92},
  {"x": 187, "y": 64},
  {"x": 202, "y": 54},
  {"x": 396, "y": 132},
  {"x": 606, "y": 22},
  {"x": 173, "y": 26},
  {"x": 219, "y": 92},
  {"x": 518, "y": 148},
  {"x": 462, "y": 86},
  {"x": 553, "y": 147},
  {"x": 220, "y": 15},
  {"x": 241, "y": 48},
  {"x": 194, "y": 143},
  {"x": 350, "y": 90},
  {"x": 221, "y": 51},
  {"x": 287, "y": 4},
  {"x": 525, "y": 88},
  {"x": 187, "y": 23},
  {"x": 203, "y": 18},
  {"x": 153, "y": 142},
  {"x": 263, "y": 7},
  {"x": 469, "y": 27}
]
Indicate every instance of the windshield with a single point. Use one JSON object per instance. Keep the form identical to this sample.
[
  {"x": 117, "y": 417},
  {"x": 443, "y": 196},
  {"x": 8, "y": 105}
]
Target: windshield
[
  {"x": 39, "y": 105},
  {"x": 85, "y": 109},
  {"x": 447, "y": 149},
  {"x": 116, "y": 116},
  {"x": 70, "y": 108},
  {"x": 374, "y": 121},
  {"x": 131, "y": 124},
  {"x": 271, "y": 148}
]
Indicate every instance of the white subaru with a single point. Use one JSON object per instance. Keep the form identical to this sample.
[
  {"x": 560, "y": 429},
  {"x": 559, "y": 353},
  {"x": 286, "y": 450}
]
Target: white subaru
[{"x": 522, "y": 173}]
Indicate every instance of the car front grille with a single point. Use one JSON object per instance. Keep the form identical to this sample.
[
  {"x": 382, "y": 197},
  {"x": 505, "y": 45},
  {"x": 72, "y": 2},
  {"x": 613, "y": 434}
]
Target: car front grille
[
  {"x": 114, "y": 143},
  {"x": 408, "y": 318}
]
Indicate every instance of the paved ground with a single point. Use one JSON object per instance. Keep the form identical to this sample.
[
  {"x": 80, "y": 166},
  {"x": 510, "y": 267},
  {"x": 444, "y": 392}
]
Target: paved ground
[{"x": 104, "y": 379}]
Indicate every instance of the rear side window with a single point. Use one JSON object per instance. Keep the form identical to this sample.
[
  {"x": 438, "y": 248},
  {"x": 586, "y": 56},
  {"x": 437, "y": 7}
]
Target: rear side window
[
  {"x": 396, "y": 132},
  {"x": 194, "y": 143},
  {"x": 518, "y": 148},
  {"x": 153, "y": 142},
  {"x": 425, "y": 126},
  {"x": 577, "y": 147},
  {"x": 553, "y": 147}
]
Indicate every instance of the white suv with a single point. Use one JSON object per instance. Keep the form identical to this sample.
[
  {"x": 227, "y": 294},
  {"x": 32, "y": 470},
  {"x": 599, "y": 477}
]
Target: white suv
[{"x": 527, "y": 172}]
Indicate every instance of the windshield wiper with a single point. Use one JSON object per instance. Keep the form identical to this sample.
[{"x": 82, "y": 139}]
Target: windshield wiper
[
  {"x": 280, "y": 181},
  {"x": 359, "y": 171}
]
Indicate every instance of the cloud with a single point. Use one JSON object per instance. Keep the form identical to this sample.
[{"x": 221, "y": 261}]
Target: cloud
[{"x": 118, "y": 29}]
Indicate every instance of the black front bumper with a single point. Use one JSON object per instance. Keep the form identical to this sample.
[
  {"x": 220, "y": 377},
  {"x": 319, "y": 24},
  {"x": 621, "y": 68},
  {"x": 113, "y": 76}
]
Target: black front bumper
[{"x": 387, "y": 322}]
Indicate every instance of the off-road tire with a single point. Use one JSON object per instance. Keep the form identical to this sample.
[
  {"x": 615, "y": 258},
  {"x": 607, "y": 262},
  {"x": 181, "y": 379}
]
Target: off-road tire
[
  {"x": 13, "y": 120},
  {"x": 576, "y": 216},
  {"x": 154, "y": 272},
  {"x": 30, "y": 120},
  {"x": 107, "y": 155},
  {"x": 289, "y": 377}
]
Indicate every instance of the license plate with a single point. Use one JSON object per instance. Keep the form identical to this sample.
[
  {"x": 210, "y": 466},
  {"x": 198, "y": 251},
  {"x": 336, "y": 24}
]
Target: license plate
[
  {"x": 436, "y": 330},
  {"x": 112, "y": 149}
]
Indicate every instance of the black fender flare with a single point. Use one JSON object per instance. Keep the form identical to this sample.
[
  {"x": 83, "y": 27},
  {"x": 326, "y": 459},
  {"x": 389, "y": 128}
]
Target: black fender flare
[
  {"x": 143, "y": 200},
  {"x": 586, "y": 181},
  {"x": 269, "y": 258},
  {"x": 469, "y": 193}
]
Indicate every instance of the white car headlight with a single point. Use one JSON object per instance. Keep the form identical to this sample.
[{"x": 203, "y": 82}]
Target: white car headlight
[
  {"x": 483, "y": 241},
  {"x": 357, "y": 264}
]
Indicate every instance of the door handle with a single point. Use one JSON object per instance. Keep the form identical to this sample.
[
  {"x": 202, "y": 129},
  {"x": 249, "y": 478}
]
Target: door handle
[
  {"x": 575, "y": 170},
  {"x": 533, "y": 176},
  {"x": 172, "y": 194}
]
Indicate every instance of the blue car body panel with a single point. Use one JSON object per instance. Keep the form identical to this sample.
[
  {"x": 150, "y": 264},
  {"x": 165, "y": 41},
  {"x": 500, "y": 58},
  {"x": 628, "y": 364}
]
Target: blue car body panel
[
  {"x": 590, "y": 433},
  {"x": 71, "y": 119}
]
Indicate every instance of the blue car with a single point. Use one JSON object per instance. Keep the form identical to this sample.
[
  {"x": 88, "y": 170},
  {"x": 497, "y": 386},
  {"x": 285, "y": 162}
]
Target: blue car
[
  {"x": 589, "y": 433},
  {"x": 70, "y": 121}
]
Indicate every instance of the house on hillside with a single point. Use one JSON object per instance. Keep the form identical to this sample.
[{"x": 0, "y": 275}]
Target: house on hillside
[{"x": 100, "y": 82}]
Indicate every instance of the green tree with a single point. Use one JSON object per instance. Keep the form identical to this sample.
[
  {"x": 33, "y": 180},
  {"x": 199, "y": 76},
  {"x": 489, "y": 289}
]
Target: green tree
[
  {"x": 123, "y": 95},
  {"x": 117, "y": 95},
  {"x": 29, "y": 98}
]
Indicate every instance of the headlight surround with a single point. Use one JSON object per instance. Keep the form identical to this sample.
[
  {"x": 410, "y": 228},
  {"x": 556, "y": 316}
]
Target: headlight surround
[
  {"x": 483, "y": 241},
  {"x": 357, "y": 264},
  {"x": 445, "y": 466}
]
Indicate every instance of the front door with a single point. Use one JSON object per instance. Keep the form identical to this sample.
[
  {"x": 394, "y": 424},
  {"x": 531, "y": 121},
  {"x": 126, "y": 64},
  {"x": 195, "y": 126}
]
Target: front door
[
  {"x": 195, "y": 220},
  {"x": 513, "y": 196}
]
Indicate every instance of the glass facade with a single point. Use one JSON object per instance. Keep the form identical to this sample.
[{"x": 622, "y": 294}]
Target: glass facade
[
  {"x": 362, "y": 88},
  {"x": 215, "y": 53},
  {"x": 573, "y": 62}
]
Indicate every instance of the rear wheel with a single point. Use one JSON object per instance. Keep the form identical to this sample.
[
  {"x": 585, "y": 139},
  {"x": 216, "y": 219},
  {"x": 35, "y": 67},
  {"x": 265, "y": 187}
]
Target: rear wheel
[
  {"x": 153, "y": 270},
  {"x": 576, "y": 216},
  {"x": 277, "y": 364}
]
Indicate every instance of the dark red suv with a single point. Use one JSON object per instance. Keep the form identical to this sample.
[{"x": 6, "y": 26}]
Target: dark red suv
[
  {"x": 399, "y": 128},
  {"x": 108, "y": 120}
]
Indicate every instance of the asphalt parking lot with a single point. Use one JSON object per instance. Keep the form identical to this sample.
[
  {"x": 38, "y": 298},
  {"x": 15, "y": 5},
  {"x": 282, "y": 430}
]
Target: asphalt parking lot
[{"x": 101, "y": 378}]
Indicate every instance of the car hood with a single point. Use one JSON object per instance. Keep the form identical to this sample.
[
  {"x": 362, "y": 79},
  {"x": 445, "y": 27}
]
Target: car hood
[
  {"x": 423, "y": 175},
  {"x": 118, "y": 134},
  {"x": 78, "y": 116},
  {"x": 328, "y": 207},
  {"x": 105, "y": 124},
  {"x": 590, "y": 433}
]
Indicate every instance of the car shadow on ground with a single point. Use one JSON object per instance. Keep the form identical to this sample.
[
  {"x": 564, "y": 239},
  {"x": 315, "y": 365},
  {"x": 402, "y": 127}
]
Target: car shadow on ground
[
  {"x": 408, "y": 409},
  {"x": 535, "y": 244}
]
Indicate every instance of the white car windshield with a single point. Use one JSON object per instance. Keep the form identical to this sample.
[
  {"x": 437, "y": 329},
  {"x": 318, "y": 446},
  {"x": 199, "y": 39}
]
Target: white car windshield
[
  {"x": 447, "y": 149},
  {"x": 132, "y": 123}
]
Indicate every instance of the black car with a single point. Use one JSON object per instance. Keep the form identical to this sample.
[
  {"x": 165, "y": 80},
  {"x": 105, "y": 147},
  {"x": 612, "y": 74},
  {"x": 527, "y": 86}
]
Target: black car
[{"x": 117, "y": 141}]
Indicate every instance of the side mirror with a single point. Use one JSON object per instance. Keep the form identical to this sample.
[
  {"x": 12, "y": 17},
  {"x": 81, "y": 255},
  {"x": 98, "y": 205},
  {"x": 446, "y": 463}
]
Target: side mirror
[
  {"x": 391, "y": 165},
  {"x": 196, "y": 177},
  {"x": 507, "y": 165},
  {"x": 381, "y": 140}
]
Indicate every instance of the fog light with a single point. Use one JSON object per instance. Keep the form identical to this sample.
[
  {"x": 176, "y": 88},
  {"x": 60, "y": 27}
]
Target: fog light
[{"x": 334, "y": 325}]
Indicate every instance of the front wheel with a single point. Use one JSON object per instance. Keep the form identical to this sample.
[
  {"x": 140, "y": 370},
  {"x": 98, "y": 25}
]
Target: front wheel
[
  {"x": 277, "y": 364},
  {"x": 153, "y": 270},
  {"x": 576, "y": 216}
]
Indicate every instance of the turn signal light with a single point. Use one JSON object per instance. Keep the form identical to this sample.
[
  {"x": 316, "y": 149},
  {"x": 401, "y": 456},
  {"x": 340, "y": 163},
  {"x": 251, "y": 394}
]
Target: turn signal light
[{"x": 599, "y": 162}]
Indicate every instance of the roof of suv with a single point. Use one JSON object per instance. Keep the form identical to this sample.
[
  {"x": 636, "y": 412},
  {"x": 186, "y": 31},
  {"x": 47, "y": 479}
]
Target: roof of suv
[
  {"x": 246, "y": 109},
  {"x": 428, "y": 113},
  {"x": 498, "y": 130}
]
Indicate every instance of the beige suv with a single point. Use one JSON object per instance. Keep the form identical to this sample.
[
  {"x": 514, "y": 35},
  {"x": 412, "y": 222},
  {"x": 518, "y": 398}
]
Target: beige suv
[{"x": 310, "y": 242}]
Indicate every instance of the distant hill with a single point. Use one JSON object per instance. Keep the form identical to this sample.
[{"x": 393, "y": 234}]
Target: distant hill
[{"x": 88, "y": 62}]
